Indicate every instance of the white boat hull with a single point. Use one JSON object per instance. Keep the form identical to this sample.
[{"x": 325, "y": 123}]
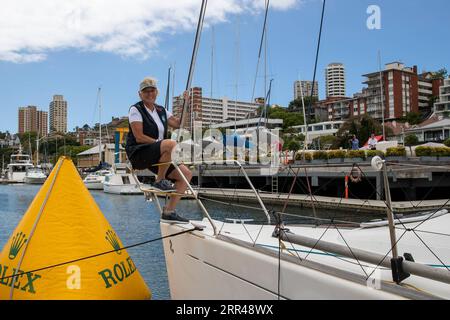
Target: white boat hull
[
  {"x": 16, "y": 177},
  {"x": 202, "y": 266},
  {"x": 121, "y": 189},
  {"x": 94, "y": 185},
  {"x": 35, "y": 180}
]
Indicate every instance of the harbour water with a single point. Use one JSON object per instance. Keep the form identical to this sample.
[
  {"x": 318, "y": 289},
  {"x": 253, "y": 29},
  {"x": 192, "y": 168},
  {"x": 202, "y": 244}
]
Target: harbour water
[{"x": 136, "y": 220}]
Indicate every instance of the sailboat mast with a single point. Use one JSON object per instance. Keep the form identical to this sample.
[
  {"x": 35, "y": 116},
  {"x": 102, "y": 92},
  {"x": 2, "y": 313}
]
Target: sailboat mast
[{"x": 100, "y": 124}]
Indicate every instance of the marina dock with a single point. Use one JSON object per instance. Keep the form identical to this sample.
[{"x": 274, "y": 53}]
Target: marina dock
[{"x": 302, "y": 200}]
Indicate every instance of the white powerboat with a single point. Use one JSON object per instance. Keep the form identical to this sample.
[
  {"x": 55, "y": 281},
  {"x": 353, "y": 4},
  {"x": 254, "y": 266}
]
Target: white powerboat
[
  {"x": 121, "y": 181},
  {"x": 35, "y": 175},
  {"x": 18, "y": 166},
  {"x": 95, "y": 180}
]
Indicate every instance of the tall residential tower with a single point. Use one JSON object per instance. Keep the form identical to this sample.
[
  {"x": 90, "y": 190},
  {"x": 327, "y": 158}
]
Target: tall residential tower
[
  {"x": 335, "y": 80},
  {"x": 58, "y": 114}
]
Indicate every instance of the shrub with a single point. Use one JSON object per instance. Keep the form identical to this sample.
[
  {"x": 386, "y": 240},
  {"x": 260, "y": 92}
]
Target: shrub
[
  {"x": 320, "y": 155},
  {"x": 307, "y": 155},
  {"x": 423, "y": 151},
  {"x": 355, "y": 154},
  {"x": 373, "y": 153},
  {"x": 336, "y": 154},
  {"x": 447, "y": 142},
  {"x": 396, "y": 152},
  {"x": 432, "y": 152},
  {"x": 440, "y": 152}
]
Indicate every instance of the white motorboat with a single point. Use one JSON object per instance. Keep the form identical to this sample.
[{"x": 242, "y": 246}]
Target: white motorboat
[
  {"x": 18, "y": 166},
  {"x": 35, "y": 175},
  {"x": 121, "y": 181},
  {"x": 94, "y": 181}
]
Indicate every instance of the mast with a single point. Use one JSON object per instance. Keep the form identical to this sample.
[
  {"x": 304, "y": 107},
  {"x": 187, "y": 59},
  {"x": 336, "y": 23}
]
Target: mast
[
  {"x": 193, "y": 60},
  {"x": 237, "y": 72},
  {"x": 305, "y": 145},
  {"x": 166, "y": 103},
  {"x": 381, "y": 94},
  {"x": 100, "y": 124}
]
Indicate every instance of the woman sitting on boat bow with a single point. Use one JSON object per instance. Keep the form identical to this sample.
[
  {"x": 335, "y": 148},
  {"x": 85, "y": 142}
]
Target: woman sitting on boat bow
[{"x": 148, "y": 146}]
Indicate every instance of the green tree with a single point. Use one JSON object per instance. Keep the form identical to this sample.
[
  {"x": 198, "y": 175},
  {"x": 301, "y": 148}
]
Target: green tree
[
  {"x": 413, "y": 118},
  {"x": 361, "y": 126},
  {"x": 440, "y": 74},
  {"x": 411, "y": 140},
  {"x": 296, "y": 105}
]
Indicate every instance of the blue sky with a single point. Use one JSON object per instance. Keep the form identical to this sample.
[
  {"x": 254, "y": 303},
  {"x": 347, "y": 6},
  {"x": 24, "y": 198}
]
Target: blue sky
[{"x": 115, "y": 51}]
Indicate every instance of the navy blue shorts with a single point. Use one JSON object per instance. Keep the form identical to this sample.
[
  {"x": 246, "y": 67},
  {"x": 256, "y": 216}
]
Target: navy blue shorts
[{"x": 146, "y": 156}]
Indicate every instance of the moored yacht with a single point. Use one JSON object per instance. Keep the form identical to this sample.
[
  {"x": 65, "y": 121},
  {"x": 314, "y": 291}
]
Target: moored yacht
[
  {"x": 17, "y": 168},
  {"x": 121, "y": 181},
  {"x": 95, "y": 180},
  {"x": 35, "y": 175}
]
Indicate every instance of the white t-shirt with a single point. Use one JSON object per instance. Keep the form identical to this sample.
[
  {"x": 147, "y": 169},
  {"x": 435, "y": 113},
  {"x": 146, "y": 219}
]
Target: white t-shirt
[
  {"x": 372, "y": 142},
  {"x": 135, "y": 116}
]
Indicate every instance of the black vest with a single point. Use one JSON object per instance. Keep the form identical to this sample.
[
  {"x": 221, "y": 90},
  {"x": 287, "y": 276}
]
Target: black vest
[{"x": 149, "y": 126}]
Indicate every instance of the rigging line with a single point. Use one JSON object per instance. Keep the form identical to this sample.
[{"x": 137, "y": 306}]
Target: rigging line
[
  {"x": 317, "y": 58},
  {"x": 432, "y": 252},
  {"x": 279, "y": 259},
  {"x": 100, "y": 254},
  {"x": 439, "y": 209},
  {"x": 263, "y": 34},
  {"x": 285, "y": 213},
  {"x": 348, "y": 246},
  {"x": 429, "y": 191},
  {"x": 236, "y": 212},
  {"x": 425, "y": 166},
  {"x": 428, "y": 232},
  {"x": 384, "y": 258},
  {"x": 323, "y": 234},
  {"x": 385, "y": 202},
  {"x": 193, "y": 60},
  {"x": 273, "y": 212}
]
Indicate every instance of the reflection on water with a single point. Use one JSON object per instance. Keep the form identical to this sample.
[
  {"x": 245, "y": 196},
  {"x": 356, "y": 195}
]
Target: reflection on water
[{"x": 135, "y": 220}]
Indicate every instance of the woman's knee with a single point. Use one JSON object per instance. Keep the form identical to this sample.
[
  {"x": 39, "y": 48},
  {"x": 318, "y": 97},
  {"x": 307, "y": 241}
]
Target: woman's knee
[{"x": 168, "y": 145}]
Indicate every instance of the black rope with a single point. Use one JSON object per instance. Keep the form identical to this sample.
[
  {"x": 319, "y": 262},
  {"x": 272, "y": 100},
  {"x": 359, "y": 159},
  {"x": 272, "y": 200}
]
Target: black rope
[
  {"x": 317, "y": 58},
  {"x": 432, "y": 252},
  {"x": 101, "y": 254}
]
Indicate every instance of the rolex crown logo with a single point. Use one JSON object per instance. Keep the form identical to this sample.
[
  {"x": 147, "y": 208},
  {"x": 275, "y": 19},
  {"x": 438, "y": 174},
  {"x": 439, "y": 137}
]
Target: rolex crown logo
[
  {"x": 17, "y": 243},
  {"x": 111, "y": 237}
]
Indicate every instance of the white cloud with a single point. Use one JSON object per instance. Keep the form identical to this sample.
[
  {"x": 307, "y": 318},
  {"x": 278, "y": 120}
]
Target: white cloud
[{"x": 29, "y": 29}]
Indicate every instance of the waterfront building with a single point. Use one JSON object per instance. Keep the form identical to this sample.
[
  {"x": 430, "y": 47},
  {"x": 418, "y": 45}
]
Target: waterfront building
[
  {"x": 305, "y": 87},
  {"x": 327, "y": 128},
  {"x": 443, "y": 105},
  {"x": 58, "y": 114},
  {"x": 213, "y": 110},
  {"x": 33, "y": 120},
  {"x": 395, "y": 95},
  {"x": 335, "y": 80}
]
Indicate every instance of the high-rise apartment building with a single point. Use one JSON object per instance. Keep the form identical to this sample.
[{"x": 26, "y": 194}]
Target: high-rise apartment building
[
  {"x": 395, "y": 95},
  {"x": 305, "y": 87},
  {"x": 335, "y": 80},
  {"x": 213, "y": 110},
  {"x": 443, "y": 105},
  {"x": 33, "y": 120},
  {"x": 58, "y": 114}
]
